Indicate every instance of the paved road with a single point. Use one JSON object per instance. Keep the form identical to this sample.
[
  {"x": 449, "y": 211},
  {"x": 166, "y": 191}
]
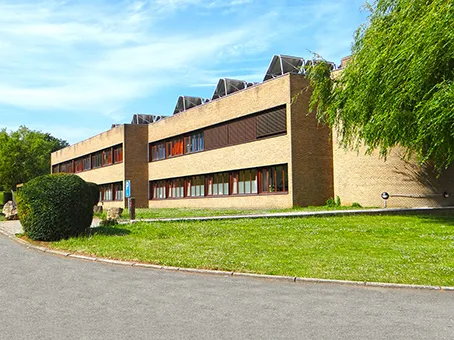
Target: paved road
[{"x": 43, "y": 296}]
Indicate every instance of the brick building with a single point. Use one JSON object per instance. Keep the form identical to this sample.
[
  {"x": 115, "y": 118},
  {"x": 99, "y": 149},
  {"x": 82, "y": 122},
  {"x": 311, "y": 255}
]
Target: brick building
[{"x": 250, "y": 146}]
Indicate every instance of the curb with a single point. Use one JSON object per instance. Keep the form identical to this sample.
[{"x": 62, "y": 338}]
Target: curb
[
  {"x": 302, "y": 214},
  {"x": 294, "y": 279}
]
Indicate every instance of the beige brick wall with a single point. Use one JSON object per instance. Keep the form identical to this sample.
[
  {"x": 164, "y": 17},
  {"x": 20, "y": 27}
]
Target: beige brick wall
[
  {"x": 260, "y": 97},
  {"x": 270, "y": 151},
  {"x": 135, "y": 155},
  {"x": 311, "y": 148},
  {"x": 108, "y": 174},
  {"x": 104, "y": 140},
  {"x": 236, "y": 202},
  {"x": 362, "y": 178}
]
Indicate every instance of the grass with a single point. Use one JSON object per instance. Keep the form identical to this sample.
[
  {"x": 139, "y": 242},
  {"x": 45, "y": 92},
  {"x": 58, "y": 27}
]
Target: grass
[
  {"x": 400, "y": 249},
  {"x": 186, "y": 212},
  {"x": 2, "y": 218}
]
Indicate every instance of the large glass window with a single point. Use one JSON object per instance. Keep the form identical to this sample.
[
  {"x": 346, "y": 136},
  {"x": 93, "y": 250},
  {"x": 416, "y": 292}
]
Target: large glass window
[{"x": 244, "y": 182}]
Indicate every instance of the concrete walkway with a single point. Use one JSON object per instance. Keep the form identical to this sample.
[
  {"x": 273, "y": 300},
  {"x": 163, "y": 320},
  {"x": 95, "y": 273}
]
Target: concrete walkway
[{"x": 385, "y": 211}]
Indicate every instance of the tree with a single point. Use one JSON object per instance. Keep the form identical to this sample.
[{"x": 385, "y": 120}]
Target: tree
[
  {"x": 397, "y": 88},
  {"x": 25, "y": 154}
]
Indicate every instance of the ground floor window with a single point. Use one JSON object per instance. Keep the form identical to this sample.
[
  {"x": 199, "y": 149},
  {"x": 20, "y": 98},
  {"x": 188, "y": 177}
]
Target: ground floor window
[
  {"x": 111, "y": 192},
  {"x": 264, "y": 180}
]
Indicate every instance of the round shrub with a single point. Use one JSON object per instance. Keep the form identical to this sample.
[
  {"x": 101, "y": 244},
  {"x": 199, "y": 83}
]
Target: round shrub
[
  {"x": 94, "y": 191},
  {"x": 53, "y": 207}
]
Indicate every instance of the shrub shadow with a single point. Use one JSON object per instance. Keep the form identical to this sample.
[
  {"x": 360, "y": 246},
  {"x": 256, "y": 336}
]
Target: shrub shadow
[{"x": 109, "y": 231}]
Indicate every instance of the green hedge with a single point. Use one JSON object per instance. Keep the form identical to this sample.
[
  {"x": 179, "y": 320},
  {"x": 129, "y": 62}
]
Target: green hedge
[
  {"x": 53, "y": 207},
  {"x": 94, "y": 192}
]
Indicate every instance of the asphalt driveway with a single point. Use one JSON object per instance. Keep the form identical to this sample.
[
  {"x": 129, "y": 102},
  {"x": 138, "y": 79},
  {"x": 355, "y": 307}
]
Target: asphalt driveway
[{"x": 43, "y": 296}]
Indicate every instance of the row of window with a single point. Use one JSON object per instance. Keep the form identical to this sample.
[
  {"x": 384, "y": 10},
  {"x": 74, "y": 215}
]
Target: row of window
[
  {"x": 240, "y": 182},
  {"x": 177, "y": 146},
  {"x": 95, "y": 160},
  {"x": 111, "y": 192},
  {"x": 246, "y": 129}
]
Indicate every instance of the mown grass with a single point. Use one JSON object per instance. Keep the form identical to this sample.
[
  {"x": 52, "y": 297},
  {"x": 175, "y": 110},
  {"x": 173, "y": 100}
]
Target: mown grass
[
  {"x": 400, "y": 249},
  {"x": 190, "y": 212}
]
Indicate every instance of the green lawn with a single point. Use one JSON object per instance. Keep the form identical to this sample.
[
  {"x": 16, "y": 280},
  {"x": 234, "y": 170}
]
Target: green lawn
[
  {"x": 186, "y": 212},
  {"x": 400, "y": 249}
]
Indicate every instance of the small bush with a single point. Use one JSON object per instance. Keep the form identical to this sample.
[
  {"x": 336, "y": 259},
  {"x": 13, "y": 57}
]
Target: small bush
[
  {"x": 53, "y": 207},
  {"x": 108, "y": 223},
  {"x": 356, "y": 205},
  {"x": 333, "y": 203}
]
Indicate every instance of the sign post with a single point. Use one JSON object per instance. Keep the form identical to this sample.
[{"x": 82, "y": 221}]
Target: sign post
[{"x": 131, "y": 200}]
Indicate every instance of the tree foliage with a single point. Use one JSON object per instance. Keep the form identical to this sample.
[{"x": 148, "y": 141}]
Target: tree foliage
[
  {"x": 397, "y": 88},
  {"x": 25, "y": 154}
]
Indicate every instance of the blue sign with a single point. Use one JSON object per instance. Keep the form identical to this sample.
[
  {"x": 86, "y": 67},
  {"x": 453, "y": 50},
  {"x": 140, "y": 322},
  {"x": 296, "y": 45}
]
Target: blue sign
[{"x": 127, "y": 188}]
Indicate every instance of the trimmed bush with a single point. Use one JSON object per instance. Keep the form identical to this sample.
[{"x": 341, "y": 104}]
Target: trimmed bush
[
  {"x": 53, "y": 207},
  {"x": 94, "y": 191}
]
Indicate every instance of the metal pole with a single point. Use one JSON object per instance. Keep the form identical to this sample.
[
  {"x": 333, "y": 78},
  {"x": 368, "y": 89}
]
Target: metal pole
[{"x": 132, "y": 208}]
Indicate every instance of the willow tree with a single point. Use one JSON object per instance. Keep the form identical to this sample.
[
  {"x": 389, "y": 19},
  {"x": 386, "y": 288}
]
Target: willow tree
[{"x": 397, "y": 88}]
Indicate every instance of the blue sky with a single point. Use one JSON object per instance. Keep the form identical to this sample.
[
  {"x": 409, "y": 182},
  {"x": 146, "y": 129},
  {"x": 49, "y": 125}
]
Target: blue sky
[{"x": 73, "y": 68}]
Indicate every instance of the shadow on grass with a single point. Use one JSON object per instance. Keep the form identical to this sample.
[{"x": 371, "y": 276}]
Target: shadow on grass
[
  {"x": 441, "y": 219},
  {"x": 108, "y": 231}
]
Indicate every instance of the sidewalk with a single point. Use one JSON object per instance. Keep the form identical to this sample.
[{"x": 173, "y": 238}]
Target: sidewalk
[{"x": 11, "y": 228}]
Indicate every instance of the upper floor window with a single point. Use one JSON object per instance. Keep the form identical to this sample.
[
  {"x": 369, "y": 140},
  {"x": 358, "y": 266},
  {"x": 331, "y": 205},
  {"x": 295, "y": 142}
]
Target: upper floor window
[
  {"x": 194, "y": 143},
  {"x": 96, "y": 159},
  {"x": 118, "y": 154},
  {"x": 106, "y": 157}
]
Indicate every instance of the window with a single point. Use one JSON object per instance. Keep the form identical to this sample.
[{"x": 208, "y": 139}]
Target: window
[
  {"x": 96, "y": 160},
  {"x": 174, "y": 147},
  {"x": 159, "y": 190},
  {"x": 218, "y": 184},
  {"x": 274, "y": 179},
  {"x": 195, "y": 186},
  {"x": 78, "y": 165},
  {"x": 55, "y": 169},
  {"x": 118, "y": 154},
  {"x": 239, "y": 182},
  {"x": 194, "y": 143},
  {"x": 118, "y": 191},
  {"x": 106, "y": 157},
  {"x": 244, "y": 182},
  {"x": 175, "y": 188},
  {"x": 87, "y": 162},
  {"x": 105, "y": 192},
  {"x": 66, "y": 167},
  {"x": 158, "y": 152}
]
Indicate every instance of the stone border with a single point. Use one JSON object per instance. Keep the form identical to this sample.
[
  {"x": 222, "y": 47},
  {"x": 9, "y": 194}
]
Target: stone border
[{"x": 294, "y": 279}]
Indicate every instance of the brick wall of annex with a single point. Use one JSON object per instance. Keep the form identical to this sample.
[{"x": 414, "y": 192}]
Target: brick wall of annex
[
  {"x": 311, "y": 150},
  {"x": 135, "y": 158},
  {"x": 362, "y": 178}
]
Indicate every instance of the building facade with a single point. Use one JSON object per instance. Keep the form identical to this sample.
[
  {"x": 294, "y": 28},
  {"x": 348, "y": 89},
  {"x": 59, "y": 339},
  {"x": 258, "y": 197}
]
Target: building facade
[{"x": 257, "y": 146}]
